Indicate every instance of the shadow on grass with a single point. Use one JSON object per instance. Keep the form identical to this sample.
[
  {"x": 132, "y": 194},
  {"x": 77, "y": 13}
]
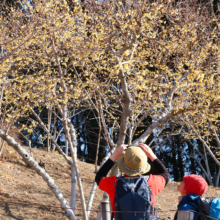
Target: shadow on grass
[{"x": 8, "y": 212}]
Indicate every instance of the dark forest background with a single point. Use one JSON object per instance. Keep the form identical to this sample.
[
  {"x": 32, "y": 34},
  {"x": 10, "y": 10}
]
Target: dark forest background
[{"x": 177, "y": 153}]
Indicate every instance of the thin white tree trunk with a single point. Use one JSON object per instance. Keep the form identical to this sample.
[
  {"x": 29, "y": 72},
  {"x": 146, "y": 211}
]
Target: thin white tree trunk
[
  {"x": 97, "y": 149},
  {"x": 72, "y": 142},
  {"x": 108, "y": 139},
  {"x": 73, "y": 188},
  {"x": 3, "y": 141},
  {"x": 57, "y": 138},
  {"x": 73, "y": 145},
  {"x": 2, "y": 146},
  {"x": 66, "y": 147},
  {"x": 73, "y": 171},
  {"x": 32, "y": 163},
  {"x": 29, "y": 144},
  {"x": 69, "y": 130},
  {"x": 91, "y": 197}
]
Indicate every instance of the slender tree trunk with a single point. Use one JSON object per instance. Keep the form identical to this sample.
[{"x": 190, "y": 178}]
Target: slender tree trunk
[
  {"x": 126, "y": 108},
  {"x": 217, "y": 178},
  {"x": 69, "y": 130},
  {"x": 73, "y": 188},
  {"x": 108, "y": 139},
  {"x": 29, "y": 144},
  {"x": 66, "y": 147},
  {"x": 3, "y": 141},
  {"x": 72, "y": 142},
  {"x": 91, "y": 197},
  {"x": 73, "y": 171},
  {"x": 131, "y": 128},
  {"x": 32, "y": 163},
  {"x": 97, "y": 150},
  {"x": 2, "y": 146},
  {"x": 207, "y": 166}
]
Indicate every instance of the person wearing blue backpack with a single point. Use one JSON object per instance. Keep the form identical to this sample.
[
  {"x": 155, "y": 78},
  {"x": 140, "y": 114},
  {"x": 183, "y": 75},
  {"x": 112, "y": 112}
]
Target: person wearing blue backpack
[
  {"x": 192, "y": 206},
  {"x": 132, "y": 195}
]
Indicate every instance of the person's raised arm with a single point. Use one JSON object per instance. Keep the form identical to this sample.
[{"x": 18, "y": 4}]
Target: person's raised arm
[
  {"x": 148, "y": 151},
  {"x": 161, "y": 169},
  {"x": 118, "y": 151},
  {"x": 106, "y": 167}
]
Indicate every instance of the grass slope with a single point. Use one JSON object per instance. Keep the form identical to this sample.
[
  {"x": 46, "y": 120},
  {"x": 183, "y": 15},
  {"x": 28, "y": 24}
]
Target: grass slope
[{"x": 25, "y": 196}]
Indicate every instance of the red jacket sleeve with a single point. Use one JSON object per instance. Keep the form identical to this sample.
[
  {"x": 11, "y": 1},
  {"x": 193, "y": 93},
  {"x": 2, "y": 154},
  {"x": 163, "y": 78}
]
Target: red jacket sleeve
[
  {"x": 156, "y": 183},
  {"x": 108, "y": 184}
]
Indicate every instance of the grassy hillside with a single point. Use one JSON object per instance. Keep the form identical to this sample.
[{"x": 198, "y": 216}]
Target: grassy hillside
[{"x": 25, "y": 196}]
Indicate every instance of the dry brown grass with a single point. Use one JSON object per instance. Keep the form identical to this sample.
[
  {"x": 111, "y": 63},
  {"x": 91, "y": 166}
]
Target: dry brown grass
[{"x": 20, "y": 186}]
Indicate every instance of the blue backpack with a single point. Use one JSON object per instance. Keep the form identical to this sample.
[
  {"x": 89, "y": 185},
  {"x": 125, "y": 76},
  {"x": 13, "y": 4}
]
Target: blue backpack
[
  {"x": 133, "y": 199},
  {"x": 204, "y": 208},
  {"x": 215, "y": 208}
]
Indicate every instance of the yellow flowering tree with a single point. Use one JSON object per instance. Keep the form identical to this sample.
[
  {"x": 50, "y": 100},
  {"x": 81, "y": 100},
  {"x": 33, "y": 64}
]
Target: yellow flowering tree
[
  {"x": 39, "y": 44},
  {"x": 127, "y": 60},
  {"x": 151, "y": 59}
]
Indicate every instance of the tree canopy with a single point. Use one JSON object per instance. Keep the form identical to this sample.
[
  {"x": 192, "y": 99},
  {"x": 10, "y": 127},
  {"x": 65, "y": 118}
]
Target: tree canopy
[{"x": 140, "y": 67}]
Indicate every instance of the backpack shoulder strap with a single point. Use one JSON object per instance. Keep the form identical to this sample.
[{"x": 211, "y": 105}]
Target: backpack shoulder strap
[{"x": 145, "y": 177}]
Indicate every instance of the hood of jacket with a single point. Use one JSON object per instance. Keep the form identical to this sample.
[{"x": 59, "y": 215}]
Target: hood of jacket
[{"x": 190, "y": 199}]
